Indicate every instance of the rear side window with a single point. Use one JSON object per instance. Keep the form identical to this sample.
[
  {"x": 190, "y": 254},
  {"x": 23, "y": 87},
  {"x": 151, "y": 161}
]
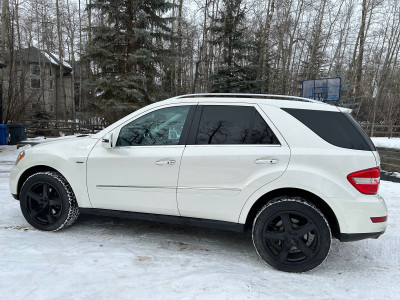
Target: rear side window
[
  {"x": 261, "y": 133},
  {"x": 224, "y": 124},
  {"x": 339, "y": 129}
]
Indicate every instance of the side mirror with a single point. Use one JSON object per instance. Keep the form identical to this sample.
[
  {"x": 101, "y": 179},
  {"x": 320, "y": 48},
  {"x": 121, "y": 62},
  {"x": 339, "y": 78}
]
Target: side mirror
[{"x": 107, "y": 141}]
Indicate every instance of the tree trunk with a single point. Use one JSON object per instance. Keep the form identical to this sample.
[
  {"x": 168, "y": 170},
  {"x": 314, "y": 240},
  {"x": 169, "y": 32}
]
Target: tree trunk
[
  {"x": 180, "y": 38},
  {"x": 4, "y": 23},
  {"x": 61, "y": 61}
]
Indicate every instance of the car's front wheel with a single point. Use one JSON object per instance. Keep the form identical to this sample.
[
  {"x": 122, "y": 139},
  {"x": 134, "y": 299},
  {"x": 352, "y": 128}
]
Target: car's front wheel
[
  {"x": 48, "y": 202},
  {"x": 291, "y": 234}
]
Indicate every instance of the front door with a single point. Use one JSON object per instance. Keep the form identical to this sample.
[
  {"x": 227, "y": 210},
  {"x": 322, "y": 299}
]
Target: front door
[{"x": 140, "y": 173}]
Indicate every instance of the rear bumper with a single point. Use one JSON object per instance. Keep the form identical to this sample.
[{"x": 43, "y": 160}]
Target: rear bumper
[
  {"x": 354, "y": 217},
  {"x": 351, "y": 237}
]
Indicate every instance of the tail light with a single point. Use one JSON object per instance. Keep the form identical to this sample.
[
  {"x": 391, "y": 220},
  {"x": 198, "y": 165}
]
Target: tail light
[{"x": 366, "y": 181}]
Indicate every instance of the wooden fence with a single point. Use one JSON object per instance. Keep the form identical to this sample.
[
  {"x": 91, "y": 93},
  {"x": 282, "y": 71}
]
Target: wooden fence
[
  {"x": 382, "y": 130},
  {"x": 54, "y": 128},
  {"x": 390, "y": 159}
]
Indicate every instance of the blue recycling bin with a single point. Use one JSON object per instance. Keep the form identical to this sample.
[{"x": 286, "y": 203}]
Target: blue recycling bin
[{"x": 3, "y": 134}]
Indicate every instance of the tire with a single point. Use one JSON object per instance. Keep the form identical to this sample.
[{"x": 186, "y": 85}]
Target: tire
[
  {"x": 48, "y": 202},
  {"x": 291, "y": 235}
]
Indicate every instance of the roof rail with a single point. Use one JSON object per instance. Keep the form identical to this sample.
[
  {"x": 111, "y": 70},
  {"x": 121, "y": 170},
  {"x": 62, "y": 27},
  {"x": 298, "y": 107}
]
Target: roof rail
[{"x": 262, "y": 96}]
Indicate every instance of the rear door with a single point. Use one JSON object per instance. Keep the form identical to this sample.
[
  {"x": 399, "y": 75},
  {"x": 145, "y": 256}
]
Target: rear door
[{"x": 232, "y": 150}]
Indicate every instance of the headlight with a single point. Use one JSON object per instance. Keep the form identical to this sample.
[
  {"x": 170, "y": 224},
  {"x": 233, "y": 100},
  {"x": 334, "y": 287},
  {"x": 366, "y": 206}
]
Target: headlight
[{"x": 21, "y": 155}]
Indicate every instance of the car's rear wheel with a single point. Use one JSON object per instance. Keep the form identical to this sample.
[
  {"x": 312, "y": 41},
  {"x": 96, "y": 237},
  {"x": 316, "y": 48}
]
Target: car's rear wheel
[
  {"x": 48, "y": 202},
  {"x": 291, "y": 234}
]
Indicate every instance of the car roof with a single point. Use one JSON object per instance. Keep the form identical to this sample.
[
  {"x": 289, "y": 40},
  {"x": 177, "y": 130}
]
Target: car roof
[{"x": 281, "y": 101}]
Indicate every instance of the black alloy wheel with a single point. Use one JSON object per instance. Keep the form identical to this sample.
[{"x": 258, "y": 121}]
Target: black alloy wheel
[
  {"x": 291, "y": 235},
  {"x": 48, "y": 202},
  {"x": 44, "y": 204}
]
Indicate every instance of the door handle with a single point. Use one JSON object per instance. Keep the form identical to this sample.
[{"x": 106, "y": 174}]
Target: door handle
[
  {"x": 271, "y": 161},
  {"x": 165, "y": 162}
]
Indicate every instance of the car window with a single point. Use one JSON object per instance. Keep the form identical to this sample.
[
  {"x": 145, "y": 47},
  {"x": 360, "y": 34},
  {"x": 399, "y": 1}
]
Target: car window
[
  {"x": 337, "y": 128},
  {"x": 160, "y": 127},
  {"x": 225, "y": 124},
  {"x": 261, "y": 133}
]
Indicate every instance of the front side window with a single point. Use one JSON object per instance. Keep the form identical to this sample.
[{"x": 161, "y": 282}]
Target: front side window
[
  {"x": 232, "y": 125},
  {"x": 34, "y": 69},
  {"x": 160, "y": 127}
]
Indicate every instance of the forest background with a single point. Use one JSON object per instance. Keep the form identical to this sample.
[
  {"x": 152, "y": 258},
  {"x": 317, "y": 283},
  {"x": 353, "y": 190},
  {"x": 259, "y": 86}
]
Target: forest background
[{"x": 143, "y": 51}]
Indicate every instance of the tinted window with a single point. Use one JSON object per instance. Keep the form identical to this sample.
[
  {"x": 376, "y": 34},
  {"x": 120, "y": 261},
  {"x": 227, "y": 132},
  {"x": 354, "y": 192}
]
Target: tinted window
[
  {"x": 161, "y": 127},
  {"x": 337, "y": 128},
  {"x": 224, "y": 124},
  {"x": 261, "y": 133}
]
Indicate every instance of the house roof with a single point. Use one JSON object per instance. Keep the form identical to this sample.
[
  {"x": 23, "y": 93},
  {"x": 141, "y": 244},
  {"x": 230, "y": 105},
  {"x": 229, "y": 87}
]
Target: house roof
[{"x": 34, "y": 55}]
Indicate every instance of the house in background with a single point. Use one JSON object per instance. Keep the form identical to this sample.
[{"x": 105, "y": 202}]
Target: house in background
[{"x": 34, "y": 85}]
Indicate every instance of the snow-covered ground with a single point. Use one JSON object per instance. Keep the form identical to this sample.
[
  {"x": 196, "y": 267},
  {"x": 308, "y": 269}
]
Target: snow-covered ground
[
  {"x": 110, "y": 258},
  {"x": 386, "y": 142}
]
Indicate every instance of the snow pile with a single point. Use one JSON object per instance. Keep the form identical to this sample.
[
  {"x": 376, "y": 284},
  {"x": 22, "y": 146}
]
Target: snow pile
[
  {"x": 105, "y": 258},
  {"x": 386, "y": 142}
]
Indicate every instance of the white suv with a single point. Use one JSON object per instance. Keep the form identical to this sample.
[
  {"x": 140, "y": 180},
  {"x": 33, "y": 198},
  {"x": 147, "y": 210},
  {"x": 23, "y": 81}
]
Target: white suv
[{"x": 293, "y": 170}]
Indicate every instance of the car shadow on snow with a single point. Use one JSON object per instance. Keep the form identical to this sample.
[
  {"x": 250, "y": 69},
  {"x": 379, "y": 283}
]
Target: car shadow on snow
[
  {"x": 166, "y": 236},
  {"x": 205, "y": 241}
]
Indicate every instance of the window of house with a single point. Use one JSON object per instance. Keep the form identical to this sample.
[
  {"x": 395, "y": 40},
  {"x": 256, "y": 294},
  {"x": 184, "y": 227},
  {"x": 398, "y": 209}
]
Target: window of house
[
  {"x": 224, "y": 124},
  {"x": 50, "y": 71},
  {"x": 34, "y": 69},
  {"x": 51, "y": 84},
  {"x": 51, "y": 107},
  {"x": 35, "y": 83},
  {"x": 160, "y": 127}
]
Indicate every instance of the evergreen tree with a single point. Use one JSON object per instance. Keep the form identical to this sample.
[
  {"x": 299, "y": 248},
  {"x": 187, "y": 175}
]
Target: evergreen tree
[
  {"x": 236, "y": 73},
  {"x": 125, "y": 53}
]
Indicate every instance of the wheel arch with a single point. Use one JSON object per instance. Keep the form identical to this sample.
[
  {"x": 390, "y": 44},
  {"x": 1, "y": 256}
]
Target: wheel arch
[
  {"x": 295, "y": 192},
  {"x": 32, "y": 170}
]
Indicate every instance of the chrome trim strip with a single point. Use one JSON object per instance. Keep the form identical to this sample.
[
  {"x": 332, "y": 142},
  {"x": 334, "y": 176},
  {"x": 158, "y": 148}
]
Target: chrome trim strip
[
  {"x": 182, "y": 189},
  {"x": 134, "y": 187},
  {"x": 209, "y": 188}
]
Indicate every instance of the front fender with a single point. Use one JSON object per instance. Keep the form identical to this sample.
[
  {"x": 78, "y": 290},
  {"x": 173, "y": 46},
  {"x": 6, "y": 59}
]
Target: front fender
[{"x": 68, "y": 157}]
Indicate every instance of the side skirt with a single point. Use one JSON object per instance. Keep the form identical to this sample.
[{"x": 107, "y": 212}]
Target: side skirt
[{"x": 222, "y": 225}]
